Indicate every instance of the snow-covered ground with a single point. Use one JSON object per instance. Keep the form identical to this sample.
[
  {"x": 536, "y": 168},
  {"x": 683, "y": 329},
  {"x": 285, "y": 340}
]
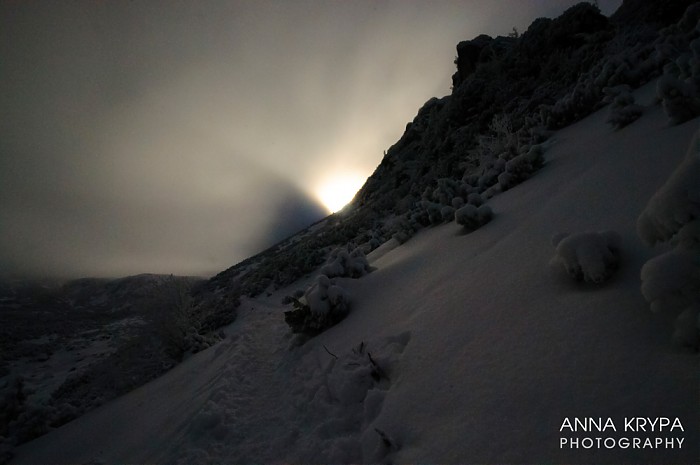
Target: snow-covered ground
[
  {"x": 470, "y": 348},
  {"x": 45, "y": 373}
]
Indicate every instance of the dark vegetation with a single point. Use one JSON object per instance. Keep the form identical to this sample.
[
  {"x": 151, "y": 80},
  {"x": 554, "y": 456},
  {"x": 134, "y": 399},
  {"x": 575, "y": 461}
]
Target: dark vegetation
[{"x": 67, "y": 349}]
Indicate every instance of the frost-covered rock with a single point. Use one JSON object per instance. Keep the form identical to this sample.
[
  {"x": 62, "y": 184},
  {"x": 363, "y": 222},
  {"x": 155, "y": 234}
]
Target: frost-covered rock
[
  {"x": 472, "y": 217},
  {"x": 590, "y": 256}
]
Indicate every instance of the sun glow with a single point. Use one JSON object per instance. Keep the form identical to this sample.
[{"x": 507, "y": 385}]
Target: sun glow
[{"x": 338, "y": 191}]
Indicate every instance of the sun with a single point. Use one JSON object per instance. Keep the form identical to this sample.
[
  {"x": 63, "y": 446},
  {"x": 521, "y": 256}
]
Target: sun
[{"x": 338, "y": 191}]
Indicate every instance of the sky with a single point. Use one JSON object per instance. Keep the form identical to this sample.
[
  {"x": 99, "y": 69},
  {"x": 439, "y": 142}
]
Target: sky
[{"x": 184, "y": 136}]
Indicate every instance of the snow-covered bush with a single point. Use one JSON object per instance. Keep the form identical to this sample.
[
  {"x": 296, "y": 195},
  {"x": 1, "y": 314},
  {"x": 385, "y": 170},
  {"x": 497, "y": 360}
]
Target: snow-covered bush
[
  {"x": 521, "y": 167},
  {"x": 342, "y": 262},
  {"x": 324, "y": 304},
  {"x": 580, "y": 101},
  {"x": 623, "y": 111},
  {"x": 21, "y": 418},
  {"x": 501, "y": 138},
  {"x": 472, "y": 217},
  {"x": 687, "y": 327},
  {"x": 6, "y": 453},
  {"x": 13, "y": 396},
  {"x": 671, "y": 281},
  {"x": 491, "y": 167},
  {"x": 448, "y": 213},
  {"x": 445, "y": 191},
  {"x": 401, "y": 227},
  {"x": 182, "y": 322},
  {"x": 590, "y": 256},
  {"x": 679, "y": 99},
  {"x": 434, "y": 211},
  {"x": 693, "y": 77},
  {"x": 676, "y": 205},
  {"x": 475, "y": 199}
]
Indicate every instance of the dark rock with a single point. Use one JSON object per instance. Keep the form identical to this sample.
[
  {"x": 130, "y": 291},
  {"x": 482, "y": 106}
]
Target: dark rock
[{"x": 468, "y": 53}]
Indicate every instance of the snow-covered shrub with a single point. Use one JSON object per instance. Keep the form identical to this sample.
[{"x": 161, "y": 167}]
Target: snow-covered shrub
[
  {"x": 472, "y": 217},
  {"x": 687, "y": 327},
  {"x": 679, "y": 98},
  {"x": 688, "y": 238},
  {"x": 676, "y": 205},
  {"x": 448, "y": 213},
  {"x": 590, "y": 256},
  {"x": 694, "y": 66},
  {"x": 434, "y": 211},
  {"x": 492, "y": 191},
  {"x": 324, "y": 305},
  {"x": 582, "y": 100},
  {"x": 521, "y": 167},
  {"x": 457, "y": 202},
  {"x": 501, "y": 139},
  {"x": 469, "y": 181},
  {"x": 351, "y": 264},
  {"x": 288, "y": 299},
  {"x": 401, "y": 228},
  {"x": 182, "y": 322},
  {"x": 22, "y": 417},
  {"x": 6, "y": 447},
  {"x": 401, "y": 236},
  {"x": 419, "y": 218},
  {"x": 671, "y": 281},
  {"x": 475, "y": 199},
  {"x": 445, "y": 191},
  {"x": 13, "y": 397},
  {"x": 623, "y": 111}
]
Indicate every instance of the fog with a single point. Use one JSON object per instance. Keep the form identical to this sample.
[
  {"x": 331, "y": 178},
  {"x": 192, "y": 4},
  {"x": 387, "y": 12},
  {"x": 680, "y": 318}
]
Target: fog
[{"x": 182, "y": 137}]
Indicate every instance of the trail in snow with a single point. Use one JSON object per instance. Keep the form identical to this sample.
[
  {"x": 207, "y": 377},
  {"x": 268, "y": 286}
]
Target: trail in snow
[
  {"x": 245, "y": 394},
  {"x": 257, "y": 397},
  {"x": 275, "y": 402}
]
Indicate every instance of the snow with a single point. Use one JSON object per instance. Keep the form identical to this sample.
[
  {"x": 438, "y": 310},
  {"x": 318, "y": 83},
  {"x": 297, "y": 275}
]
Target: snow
[
  {"x": 671, "y": 280},
  {"x": 676, "y": 203},
  {"x": 458, "y": 348},
  {"x": 588, "y": 256}
]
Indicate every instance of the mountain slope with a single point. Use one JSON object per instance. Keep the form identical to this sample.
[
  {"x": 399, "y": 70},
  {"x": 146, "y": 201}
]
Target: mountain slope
[{"x": 460, "y": 347}]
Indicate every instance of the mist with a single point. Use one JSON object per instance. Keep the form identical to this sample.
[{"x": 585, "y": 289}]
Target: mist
[{"x": 182, "y": 137}]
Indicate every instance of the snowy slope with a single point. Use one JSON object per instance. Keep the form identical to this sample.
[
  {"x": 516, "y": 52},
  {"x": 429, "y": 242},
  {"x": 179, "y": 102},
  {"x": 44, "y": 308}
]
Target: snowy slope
[{"x": 465, "y": 348}]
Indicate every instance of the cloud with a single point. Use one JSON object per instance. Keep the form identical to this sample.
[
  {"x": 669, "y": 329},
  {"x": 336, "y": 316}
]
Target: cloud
[{"x": 162, "y": 137}]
